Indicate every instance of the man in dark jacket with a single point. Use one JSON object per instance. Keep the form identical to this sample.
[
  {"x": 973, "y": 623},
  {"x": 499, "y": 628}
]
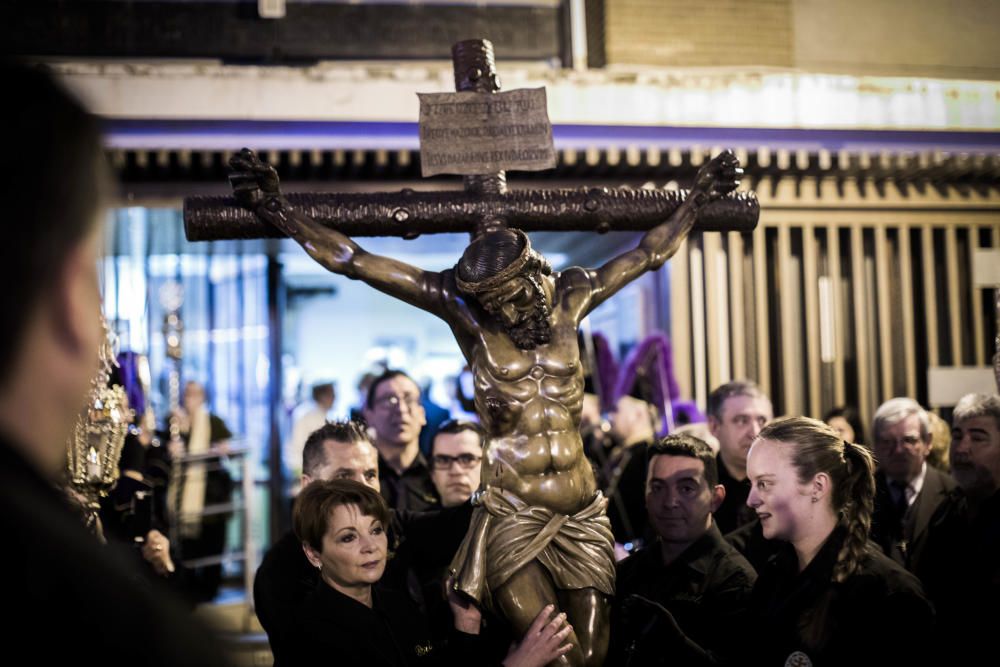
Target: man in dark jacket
[
  {"x": 683, "y": 599},
  {"x": 965, "y": 554},
  {"x": 69, "y": 599},
  {"x": 737, "y": 411},
  {"x": 908, "y": 492}
]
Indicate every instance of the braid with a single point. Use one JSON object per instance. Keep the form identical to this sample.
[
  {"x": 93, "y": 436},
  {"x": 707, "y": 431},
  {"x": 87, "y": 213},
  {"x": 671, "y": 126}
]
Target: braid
[
  {"x": 816, "y": 448},
  {"x": 856, "y": 511}
]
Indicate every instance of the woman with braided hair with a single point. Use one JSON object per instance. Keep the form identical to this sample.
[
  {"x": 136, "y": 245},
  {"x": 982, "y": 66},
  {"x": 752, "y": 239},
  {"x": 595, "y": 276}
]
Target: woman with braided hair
[{"x": 829, "y": 596}]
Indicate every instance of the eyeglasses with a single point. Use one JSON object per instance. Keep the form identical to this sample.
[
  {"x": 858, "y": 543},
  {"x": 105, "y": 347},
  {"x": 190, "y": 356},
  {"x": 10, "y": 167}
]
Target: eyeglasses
[
  {"x": 389, "y": 402},
  {"x": 465, "y": 461},
  {"x": 907, "y": 440}
]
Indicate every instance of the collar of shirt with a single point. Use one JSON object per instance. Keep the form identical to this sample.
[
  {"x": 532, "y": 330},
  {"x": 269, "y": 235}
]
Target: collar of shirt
[{"x": 915, "y": 485}]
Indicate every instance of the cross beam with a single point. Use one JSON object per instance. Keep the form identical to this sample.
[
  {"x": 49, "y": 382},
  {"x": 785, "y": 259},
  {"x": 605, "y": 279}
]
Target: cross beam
[
  {"x": 485, "y": 200},
  {"x": 409, "y": 213}
]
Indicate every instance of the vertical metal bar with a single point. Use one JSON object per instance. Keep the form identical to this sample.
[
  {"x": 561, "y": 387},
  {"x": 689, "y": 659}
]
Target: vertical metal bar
[
  {"x": 906, "y": 297},
  {"x": 698, "y": 325},
  {"x": 954, "y": 298},
  {"x": 861, "y": 316},
  {"x": 839, "y": 313},
  {"x": 810, "y": 280},
  {"x": 716, "y": 310},
  {"x": 241, "y": 355},
  {"x": 761, "y": 309},
  {"x": 680, "y": 318},
  {"x": 978, "y": 337},
  {"x": 275, "y": 313},
  {"x": 249, "y": 516},
  {"x": 884, "y": 322},
  {"x": 790, "y": 318},
  {"x": 930, "y": 295},
  {"x": 737, "y": 316}
]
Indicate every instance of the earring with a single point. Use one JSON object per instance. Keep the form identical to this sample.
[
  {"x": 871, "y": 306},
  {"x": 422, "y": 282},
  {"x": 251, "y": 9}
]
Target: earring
[{"x": 815, "y": 499}]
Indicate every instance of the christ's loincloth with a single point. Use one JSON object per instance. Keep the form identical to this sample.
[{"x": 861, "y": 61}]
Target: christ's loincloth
[{"x": 506, "y": 534}]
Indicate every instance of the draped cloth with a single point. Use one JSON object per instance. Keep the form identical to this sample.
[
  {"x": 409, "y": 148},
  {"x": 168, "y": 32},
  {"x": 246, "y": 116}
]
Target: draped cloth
[{"x": 506, "y": 534}]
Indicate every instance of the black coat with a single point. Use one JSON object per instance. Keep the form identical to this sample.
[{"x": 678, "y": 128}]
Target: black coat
[
  {"x": 733, "y": 512},
  {"x": 907, "y": 542},
  {"x": 706, "y": 589},
  {"x": 962, "y": 567},
  {"x": 71, "y": 600},
  {"x": 412, "y": 491},
  {"x": 420, "y": 542},
  {"x": 329, "y": 627},
  {"x": 878, "y": 616}
]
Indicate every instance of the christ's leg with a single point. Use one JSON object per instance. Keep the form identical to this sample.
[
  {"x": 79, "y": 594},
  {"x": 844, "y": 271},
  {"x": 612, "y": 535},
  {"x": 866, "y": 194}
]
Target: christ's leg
[
  {"x": 588, "y": 610},
  {"x": 524, "y": 596}
]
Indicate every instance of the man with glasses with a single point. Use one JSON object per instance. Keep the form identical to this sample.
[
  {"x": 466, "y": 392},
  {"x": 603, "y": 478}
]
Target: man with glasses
[
  {"x": 456, "y": 456},
  {"x": 395, "y": 416}
]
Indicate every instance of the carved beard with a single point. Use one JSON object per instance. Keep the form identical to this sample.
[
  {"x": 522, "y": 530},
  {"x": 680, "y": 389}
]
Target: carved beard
[
  {"x": 532, "y": 332},
  {"x": 535, "y": 330}
]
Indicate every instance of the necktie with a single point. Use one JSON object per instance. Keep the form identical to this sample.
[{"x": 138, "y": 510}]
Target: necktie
[{"x": 899, "y": 502}]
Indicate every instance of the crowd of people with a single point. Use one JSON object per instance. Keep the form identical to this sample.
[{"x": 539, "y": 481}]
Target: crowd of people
[
  {"x": 766, "y": 541},
  {"x": 782, "y": 539}
]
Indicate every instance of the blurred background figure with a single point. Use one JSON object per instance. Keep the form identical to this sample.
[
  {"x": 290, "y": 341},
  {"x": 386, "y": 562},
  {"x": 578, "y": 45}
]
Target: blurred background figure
[
  {"x": 435, "y": 416},
  {"x": 940, "y": 443},
  {"x": 395, "y": 416},
  {"x": 845, "y": 420},
  {"x": 202, "y": 491},
  {"x": 308, "y": 417},
  {"x": 633, "y": 422},
  {"x": 701, "y": 431}
]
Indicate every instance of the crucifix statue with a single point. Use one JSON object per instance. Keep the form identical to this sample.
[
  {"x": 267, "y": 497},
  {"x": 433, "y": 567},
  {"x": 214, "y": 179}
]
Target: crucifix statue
[{"x": 539, "y": 533}]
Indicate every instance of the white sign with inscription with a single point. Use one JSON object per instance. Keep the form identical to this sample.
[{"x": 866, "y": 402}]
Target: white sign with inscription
[{"x": 482, "y": 133}]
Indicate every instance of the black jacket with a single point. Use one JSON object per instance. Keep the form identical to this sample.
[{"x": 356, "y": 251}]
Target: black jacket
[
  {"x": 71, "y": 600},
  {"x": 330, "y": 628},
  {"x": 907, "y": 542},
  {"x": 420, "y": 542},
  {"x": 707, "y": 591},
  {"x": 733, "y": 512},
  {"x": 962, "y": 570},
  {"x": 413, "y": 491},
  {"x": 878, "y": 616}
]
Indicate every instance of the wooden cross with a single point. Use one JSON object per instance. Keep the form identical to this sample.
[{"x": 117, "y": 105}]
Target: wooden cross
[{"x": 484, "y": 202}]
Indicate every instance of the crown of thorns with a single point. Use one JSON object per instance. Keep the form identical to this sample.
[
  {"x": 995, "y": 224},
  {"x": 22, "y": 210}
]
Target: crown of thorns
[{"x": 487, "y": 263}]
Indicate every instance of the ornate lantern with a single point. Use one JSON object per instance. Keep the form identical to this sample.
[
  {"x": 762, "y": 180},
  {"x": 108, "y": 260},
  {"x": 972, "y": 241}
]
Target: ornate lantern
[{"x": 96, "y": 444}]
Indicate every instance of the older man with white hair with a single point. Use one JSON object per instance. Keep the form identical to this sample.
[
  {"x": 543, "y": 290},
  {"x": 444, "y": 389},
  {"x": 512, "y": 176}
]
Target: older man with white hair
[{"x": 908, "y": 491}]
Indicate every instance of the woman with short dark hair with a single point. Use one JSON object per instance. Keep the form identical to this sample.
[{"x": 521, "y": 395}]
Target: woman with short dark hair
[{"x": 346, "y": 621}]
